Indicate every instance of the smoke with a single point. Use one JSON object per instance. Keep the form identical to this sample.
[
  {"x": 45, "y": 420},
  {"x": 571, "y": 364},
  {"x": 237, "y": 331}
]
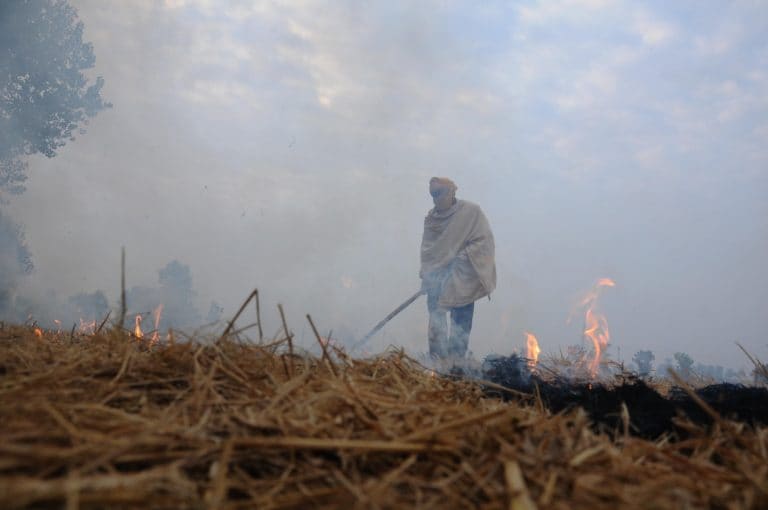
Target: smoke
[
  {"x": 175, "y": 295},
  {"x": 172, "y": 300},
  {"x": 289, "y": 148}
]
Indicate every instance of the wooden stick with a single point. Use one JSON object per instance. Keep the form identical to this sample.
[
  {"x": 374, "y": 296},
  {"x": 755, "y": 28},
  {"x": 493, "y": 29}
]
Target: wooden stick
[
  {"x": 123, "y": 304},
  {"x": 322, "y": 346},
  {"x": 287, "y": 335},
  {"x": 242, "y": 307},
  {"x": 386, "y": 319},
  {"x": 98, "y": 330},
  {"x": 244, "y": 328},
  {"x": 258, "y": 316}
]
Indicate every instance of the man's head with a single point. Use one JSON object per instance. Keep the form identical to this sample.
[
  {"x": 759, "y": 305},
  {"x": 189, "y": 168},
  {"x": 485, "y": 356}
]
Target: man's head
[{"x": 443, "y": 191}]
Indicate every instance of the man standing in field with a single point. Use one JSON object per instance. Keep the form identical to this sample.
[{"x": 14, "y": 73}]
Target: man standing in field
[{"x": 457, "y": 267}]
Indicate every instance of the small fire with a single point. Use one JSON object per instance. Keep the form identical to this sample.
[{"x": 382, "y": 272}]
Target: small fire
[
  {"x": 137, "y": 329},
  {"x": 38, "y": 332},
  {"x": 158, "y": 312},
  {"x": 532, "y": 349},
  {"x": 595, "y": 323},
  {"x": 605, "y": 282}
]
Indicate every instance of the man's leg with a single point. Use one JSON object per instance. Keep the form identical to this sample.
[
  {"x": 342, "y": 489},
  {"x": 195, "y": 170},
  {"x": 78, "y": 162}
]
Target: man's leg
[
  {"x": 461, "y": 325},
  {"x": 437, "y": 332}
]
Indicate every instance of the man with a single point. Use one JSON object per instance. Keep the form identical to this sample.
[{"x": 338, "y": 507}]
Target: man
[{"x": 457, "y": 267}]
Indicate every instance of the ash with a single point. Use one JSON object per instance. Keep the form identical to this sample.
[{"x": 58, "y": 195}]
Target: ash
[{"x": 647, "y": 412}]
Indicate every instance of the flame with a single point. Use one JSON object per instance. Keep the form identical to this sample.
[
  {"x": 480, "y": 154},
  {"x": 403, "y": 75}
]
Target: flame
[
  {"x": 590, "y": 297},
  {"x": 596, "y": 329},
  {"x": 158, "y": 312},
  {"x": 595, "y": 323},
  {"x": 532, "y": 349},
  {"x": 38, "y": 332},
  {"x": 605, "y": 282},
  {"x": 137, "y": 329}
]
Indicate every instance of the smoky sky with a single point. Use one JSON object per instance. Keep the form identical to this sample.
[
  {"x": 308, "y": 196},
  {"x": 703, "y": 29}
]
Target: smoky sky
[{"x": 288, "y": 145}]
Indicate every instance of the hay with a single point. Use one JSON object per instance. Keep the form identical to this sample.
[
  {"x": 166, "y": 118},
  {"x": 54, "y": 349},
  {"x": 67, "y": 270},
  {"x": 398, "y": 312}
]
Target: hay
[{"x": 103, "y": 421}]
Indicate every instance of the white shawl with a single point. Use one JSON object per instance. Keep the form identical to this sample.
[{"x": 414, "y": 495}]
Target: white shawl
[{"x": 458, "y": 249}]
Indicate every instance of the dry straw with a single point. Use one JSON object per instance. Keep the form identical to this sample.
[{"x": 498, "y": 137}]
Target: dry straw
[{"x": 103, "y": 421}]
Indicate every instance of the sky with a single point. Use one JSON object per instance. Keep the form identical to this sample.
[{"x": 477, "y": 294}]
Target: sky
[{"x": 287, "y": 146}]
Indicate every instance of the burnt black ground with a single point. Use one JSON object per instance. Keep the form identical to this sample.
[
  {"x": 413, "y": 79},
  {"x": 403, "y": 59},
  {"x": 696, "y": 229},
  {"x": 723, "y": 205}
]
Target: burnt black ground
[{"x": 651, "y": 414}]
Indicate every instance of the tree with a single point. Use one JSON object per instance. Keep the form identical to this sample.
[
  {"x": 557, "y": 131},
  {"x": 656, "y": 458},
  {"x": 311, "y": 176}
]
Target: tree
[
  {"x": 15, "y": 260},
  {"x": 44, "y": 95},
  {"x": 214, "y": 313},
  {"x": 90, "y": 306},
  {"x": 177, "y": 295},
  {"x": 177, "y": 278},
  {"x": 684, "y": 364},
  {"x": 644, "y": 361}
]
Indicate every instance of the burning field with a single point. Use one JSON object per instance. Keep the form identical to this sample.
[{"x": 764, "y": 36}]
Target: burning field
[{"x": 108, "y": 420}]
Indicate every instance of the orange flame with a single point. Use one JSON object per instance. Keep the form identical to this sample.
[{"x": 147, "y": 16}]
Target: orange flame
[
  {"x": 137, "y": 329},
  {"x": 38, "y": 332},
  {"x": 158, "y": 312},
  {"x": 532, "y": 349},
  {"x": 605, "y": 282},
  {"x": 595, "y": 323}
]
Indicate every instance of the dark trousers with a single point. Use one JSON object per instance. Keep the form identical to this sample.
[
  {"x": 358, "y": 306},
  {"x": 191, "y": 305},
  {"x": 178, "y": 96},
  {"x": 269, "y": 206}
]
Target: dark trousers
[{"x": 442, "y": 342}]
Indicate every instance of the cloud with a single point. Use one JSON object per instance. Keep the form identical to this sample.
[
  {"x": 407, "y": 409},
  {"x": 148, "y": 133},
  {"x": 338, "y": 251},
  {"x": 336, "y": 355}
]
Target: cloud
[
  {"x": 652, "y": 31},
  {"x": 571, "y": 10}
]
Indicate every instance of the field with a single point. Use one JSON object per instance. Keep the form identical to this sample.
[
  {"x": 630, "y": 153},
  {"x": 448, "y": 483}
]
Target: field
[{"x": 108, "y": 421}]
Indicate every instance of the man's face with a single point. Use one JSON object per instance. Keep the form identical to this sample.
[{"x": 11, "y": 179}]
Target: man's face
[{"x": 442, "y": 196}]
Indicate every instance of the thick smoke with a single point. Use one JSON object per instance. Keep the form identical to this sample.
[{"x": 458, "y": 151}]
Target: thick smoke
[
  {"x": 289, "y": 148},
  {"x": 45, "y": 99},
  {"x": 173, "y": 300}
]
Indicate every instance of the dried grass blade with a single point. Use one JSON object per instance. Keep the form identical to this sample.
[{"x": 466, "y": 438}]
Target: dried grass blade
[{"x": 519, "y": 499}]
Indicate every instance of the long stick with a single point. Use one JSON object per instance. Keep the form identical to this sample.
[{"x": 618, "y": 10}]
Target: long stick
[
  {"x": 322, "y": 346},
  {"x": 288, "y": 335},
  {"x": 242, "y": 307},
  {"x": 123, "y": 305},
  {"x": 386, "y": 319},
  {"x": 258, "y": 316}
]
